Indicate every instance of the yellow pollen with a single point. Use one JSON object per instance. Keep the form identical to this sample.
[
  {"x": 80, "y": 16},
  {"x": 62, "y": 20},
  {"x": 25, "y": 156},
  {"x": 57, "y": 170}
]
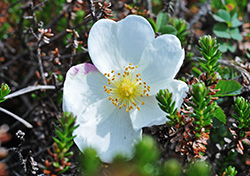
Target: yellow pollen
[{"x": 127, "y": 89}]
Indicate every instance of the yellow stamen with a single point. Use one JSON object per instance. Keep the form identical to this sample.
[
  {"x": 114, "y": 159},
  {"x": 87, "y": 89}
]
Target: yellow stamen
[{"x": 127, "y": 89}]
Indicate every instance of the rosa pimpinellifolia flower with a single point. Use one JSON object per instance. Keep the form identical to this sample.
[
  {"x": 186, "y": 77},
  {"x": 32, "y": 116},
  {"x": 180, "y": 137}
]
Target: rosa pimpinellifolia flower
[{"x": 115, "y": 98}]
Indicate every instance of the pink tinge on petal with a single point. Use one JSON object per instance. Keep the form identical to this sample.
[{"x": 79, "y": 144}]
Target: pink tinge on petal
[
  {"x": 75, "y": 70},
  {"x": 89, "y": 68},
  {"x": 86, "y": 68}
]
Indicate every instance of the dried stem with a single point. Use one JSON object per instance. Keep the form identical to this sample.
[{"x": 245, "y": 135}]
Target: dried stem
[
  {"x": 40, "y": 64},
  {"x": 27, "y": 90},
  {"x": 27, "y": 124},
  {"x": 92, "y": 10}
]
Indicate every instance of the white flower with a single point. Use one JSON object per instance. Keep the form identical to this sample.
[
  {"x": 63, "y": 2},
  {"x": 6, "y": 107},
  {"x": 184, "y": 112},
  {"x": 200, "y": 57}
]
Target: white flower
[{"x": 115, "y": 98}]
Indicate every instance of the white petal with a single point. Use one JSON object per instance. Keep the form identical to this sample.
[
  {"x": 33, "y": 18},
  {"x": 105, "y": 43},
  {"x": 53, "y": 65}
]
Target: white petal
[
  {"x": 82, "y": 87},
  {"x": 179, "y": 89},
  {"x": 134, "y": 33},
  {"x": 113, "y": 45},
  {"x": 161, "y": 60},
  {"x": 102, "y": 46},
  {"x": 108, "y": 130},
  {"x": 149, "y": 114}
]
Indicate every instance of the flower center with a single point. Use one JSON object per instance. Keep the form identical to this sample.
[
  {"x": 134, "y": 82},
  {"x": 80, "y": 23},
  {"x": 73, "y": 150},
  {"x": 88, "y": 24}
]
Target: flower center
[{"x": 126, "y": 89}]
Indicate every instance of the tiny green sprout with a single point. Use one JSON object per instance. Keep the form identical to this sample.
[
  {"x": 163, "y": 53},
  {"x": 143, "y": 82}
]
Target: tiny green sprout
[
  {"x": 199, "y": 168},
  {"x": 59, "y": 161},
  {"x": 146, "y": 154},
  {"x": 203, "y": 106},
  {"x": 181, "y": 28},
  {"x": 172, "y": 168},
  {"x": 90, "y": 162},
  {"x": 64, "y": 133},
  {"x": 242, "y": 109},
  {"x": 167, "y": 104},
  {"x": 209, "y": 49},
  {"x": 230, "y": 171},
  {"x": 5, "y": 90}
]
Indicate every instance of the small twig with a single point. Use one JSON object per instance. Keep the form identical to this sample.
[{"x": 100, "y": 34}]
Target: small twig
[
  {"x": 56, "y": 37},
  {"x": 92, "y": 10},
  {"x": 168, "y": 6},
  {"x": 66, "y": 56},
  {"x": 149, "y": 5},
  {"x": 27, "y": 124},
  {"x": 11, "y": 6},
  {"x": 39, "y": 5},
  {"x": 28, "y": 89},
  {"x": 229, "y": 64},
  {"x": 40, "y": 64},
  {"x": 244, "y": 73},
  {"x": 206, "y": 8}
]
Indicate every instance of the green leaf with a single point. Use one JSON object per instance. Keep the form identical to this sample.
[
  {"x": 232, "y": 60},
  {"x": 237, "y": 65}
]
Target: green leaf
[
  {"x": 162, "y": 20},
  {"x": 235, "y": 34},
  {"x": 56, "y": 164},
  {"x": 151, "y": 21},
  {"x": 221, "y": 30},
  {"x": 222, "y": 16},
  {"x": 4, "y": 90},
  {"x": 196, "y": 72},
  {"x": 168, "y": 29},
  {"x": 220, "y": 115},
  {"x": 227, "y": 88},
  {"x": 231, "y": 47},
  {"x": 235, "y": 21},
  {"x": 223, "y": 47}
]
